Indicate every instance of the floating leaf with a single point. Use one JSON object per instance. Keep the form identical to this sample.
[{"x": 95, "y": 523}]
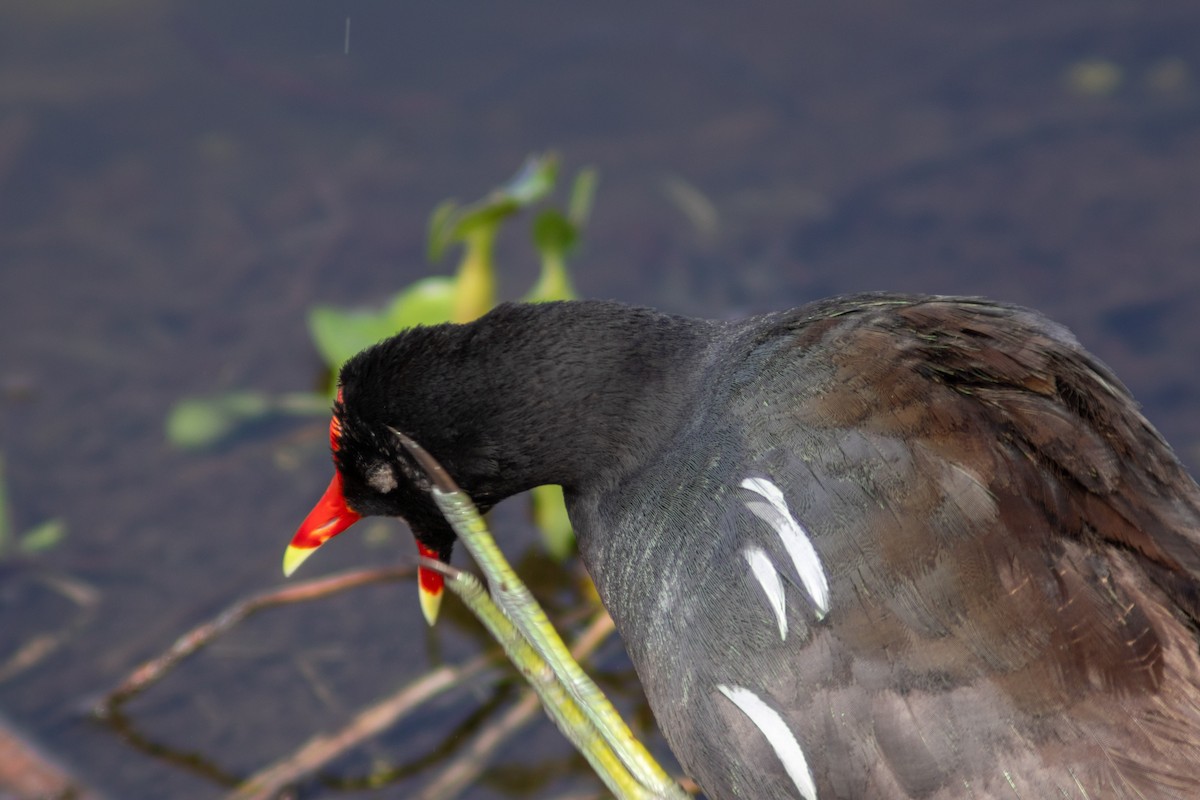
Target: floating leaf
[
  {"x": 201, "y": 421},
  {"x": 43, "y": 537}
]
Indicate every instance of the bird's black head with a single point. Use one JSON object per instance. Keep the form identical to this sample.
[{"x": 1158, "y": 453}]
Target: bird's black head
[
  {"x": 374, "y": 476},
  {"x": 433, "y": 385},
  {"x": 554, "y": 393}
]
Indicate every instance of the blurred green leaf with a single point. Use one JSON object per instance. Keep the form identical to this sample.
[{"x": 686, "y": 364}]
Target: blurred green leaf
[
  {"x": 441, "y": 229},
  {"x": 484, "y": 217},
  {"x": 552, "y": 232},
  {"x": 552, "y": 284},
  {"x": 475, "y": 281},
  {"x": 550, "y": 516},
  {"x": 450, "y": 223},
  {"x": 1094, "y": 77},
  {"x": 339, "y": 335},
  {"x": 427, "y": 302},
  {"x": 301, "y": 404},
  {"x": 583, "y": 192},
  {"x": 198, "y": 422},
  {"x": 554, "y": 236},
  {"x": 201, "y": 421},
  {"x": 42, "y": 537},
  {"x": 533, "y": 181}
]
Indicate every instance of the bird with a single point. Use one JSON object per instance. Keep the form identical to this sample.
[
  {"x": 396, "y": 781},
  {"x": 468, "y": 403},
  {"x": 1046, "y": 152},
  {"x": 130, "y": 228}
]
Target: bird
[{"x": 878, "y": 546}]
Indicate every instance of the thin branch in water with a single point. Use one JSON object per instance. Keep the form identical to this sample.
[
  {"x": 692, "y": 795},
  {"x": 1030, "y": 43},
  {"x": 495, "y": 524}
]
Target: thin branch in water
[
  {"x": 376, "y": 718},
  {"x": 154, "y": 670}
]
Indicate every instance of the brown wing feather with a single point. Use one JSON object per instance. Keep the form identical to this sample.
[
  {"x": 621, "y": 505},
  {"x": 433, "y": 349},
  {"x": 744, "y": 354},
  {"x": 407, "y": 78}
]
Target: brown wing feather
[{"x": 1046, "y": 541}]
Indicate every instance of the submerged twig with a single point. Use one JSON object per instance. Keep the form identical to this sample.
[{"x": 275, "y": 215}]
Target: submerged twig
[
  {"x": 321, "y": 749},
  {"x": 568, "y": 695},
  {"x": 152, "y": 671}
]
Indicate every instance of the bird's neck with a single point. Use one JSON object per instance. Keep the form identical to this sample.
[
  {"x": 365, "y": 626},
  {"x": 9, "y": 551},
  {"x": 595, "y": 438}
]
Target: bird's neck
[{"x": 565, "y": 393}]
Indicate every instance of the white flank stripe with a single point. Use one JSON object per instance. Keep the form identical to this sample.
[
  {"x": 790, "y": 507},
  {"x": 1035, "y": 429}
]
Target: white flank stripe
[
  {"x": 779, "y": 736},
  {"x": 775, "y": 513},
  {"x": 771, "y": 583}
]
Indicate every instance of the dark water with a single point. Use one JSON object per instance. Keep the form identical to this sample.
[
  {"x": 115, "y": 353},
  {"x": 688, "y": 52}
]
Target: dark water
[{"x": 179, "y": 182}]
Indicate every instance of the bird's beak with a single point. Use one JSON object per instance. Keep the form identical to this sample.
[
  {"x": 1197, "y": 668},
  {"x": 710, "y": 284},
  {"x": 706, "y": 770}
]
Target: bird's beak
[
  {"x": 431, "y": 584},
  {"x": 329, "y": 517}
]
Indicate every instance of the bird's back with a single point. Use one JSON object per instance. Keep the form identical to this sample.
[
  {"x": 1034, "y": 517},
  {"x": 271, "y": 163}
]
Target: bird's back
[{"x": 910, "y": 548}]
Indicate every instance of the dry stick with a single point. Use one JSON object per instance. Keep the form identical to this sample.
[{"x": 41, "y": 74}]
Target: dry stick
[
  {"x": 466, "y": 768},
  {"x": 321, "y": 749},
  {"x": 156, "y": 668}
]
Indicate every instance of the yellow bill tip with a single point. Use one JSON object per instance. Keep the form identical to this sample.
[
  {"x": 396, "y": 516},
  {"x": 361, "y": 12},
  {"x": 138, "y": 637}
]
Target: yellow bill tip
[
  {"x": 431, "y": 603},
  {"x": 294, "y": 556}
]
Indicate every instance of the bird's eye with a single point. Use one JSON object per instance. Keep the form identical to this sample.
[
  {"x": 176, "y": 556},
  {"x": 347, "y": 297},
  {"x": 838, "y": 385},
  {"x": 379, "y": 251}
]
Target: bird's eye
[{"x": 382, "y": 478}]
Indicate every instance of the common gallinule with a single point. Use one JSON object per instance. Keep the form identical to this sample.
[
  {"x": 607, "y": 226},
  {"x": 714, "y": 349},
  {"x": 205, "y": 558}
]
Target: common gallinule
[{"x": 881, "y": 546}]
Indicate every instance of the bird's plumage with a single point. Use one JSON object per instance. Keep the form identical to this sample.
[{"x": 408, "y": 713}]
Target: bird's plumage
[{"x": 931, "y": 538}]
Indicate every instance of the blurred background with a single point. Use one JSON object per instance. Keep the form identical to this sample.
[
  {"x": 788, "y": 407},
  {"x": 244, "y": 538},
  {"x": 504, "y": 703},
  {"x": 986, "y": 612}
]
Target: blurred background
[{"x": 180, "y": 182}]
